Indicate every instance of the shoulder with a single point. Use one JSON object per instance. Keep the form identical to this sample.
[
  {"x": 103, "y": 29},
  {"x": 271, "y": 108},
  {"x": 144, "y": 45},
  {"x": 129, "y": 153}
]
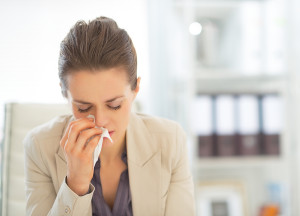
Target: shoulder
[
  {"x": 51, "y": 128},
  {"x": 48, "y": 131},
  {"x": 164, "y": 136},
  {"x": 161, "y": 133},
  {"x": 159, "y": 125}
]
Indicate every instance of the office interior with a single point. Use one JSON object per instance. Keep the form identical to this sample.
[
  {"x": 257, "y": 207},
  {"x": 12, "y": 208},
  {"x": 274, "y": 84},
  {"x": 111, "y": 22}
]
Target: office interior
[{"x": 227, "y": 70}]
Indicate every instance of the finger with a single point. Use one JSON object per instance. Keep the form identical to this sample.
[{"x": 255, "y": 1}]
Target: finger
[
  {"x": 77, "y": 128},
  {"x": 73, "y": 130},
  {"x": 90, "y": 147},
  {"x": 66, "y": 134},
  {"x": 86, "y": 136}
]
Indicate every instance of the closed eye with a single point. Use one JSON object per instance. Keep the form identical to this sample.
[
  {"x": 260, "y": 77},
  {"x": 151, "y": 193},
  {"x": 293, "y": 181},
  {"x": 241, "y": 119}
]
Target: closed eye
[
  {"x": 114, "y": 107},
  {"x": 83, "y": 110}
]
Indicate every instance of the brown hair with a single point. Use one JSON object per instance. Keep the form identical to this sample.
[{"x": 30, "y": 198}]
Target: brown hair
[{"x": 98, "y": 44}]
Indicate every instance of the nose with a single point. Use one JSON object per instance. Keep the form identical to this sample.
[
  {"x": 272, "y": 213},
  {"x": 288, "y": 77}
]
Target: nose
[{"x": 101, "y": 118}]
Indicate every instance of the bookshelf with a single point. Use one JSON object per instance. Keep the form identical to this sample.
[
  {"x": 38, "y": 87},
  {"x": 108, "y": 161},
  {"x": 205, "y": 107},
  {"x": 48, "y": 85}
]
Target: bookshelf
[
  {"x": 243, "y": 162},
  {"x": 248, "y": 70},
  {"x": 235, "y": 83},
  {"x": 245, "y": 53}
]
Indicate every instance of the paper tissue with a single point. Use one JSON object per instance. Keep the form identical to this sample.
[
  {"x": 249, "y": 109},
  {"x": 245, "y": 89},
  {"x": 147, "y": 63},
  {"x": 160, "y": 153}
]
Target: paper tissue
[{"x": 99, "y": 146}]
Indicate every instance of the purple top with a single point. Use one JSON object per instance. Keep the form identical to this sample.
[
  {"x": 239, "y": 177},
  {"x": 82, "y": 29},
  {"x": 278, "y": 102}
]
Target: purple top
[{"x": 122, "y": 204}]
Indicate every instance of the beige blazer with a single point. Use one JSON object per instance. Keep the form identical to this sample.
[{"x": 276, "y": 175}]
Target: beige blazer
[{"x": 159, "y": 175}]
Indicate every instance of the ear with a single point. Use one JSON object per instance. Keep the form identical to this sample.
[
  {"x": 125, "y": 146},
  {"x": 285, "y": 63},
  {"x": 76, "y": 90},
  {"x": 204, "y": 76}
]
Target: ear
[{"x": 137, "y": 88}]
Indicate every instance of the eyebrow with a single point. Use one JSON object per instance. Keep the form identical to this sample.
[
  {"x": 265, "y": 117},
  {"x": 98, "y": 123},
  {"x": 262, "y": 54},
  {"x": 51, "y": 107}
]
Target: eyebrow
[{"x": 108, "y": 101}]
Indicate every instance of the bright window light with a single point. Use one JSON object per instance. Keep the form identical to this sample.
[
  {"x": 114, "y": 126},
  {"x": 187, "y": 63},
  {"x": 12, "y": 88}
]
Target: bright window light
[{"x": 195, "y": 28}]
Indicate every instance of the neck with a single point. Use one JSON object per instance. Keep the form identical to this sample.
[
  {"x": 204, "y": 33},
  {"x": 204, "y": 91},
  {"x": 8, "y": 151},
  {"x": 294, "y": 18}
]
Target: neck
[{"x": 111, "y": 153}]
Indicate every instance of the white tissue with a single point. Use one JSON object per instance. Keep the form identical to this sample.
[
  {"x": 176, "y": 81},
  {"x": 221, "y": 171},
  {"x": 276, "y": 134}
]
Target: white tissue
[{"x": 99, "y": 146}]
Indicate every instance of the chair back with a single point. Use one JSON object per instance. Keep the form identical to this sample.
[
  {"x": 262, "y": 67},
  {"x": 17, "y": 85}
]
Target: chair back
[{"x": 19, "y": 120}]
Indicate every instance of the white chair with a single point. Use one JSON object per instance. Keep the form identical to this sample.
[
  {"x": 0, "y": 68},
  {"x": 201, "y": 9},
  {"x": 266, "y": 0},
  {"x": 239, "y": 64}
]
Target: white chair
[{"x": 19, "y": 119}]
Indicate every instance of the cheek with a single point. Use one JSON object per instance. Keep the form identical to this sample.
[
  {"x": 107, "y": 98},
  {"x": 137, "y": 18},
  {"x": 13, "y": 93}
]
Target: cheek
[
  {"x": 122, "y": 116},
  {"x": 127, "y": 109}
]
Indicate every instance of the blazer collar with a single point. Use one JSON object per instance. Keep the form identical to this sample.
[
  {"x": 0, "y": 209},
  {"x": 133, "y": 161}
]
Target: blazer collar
[
  {"x": 60, "y": 152},
  {"x": 144, "y": 168},
  {"x": 61, "y": 164},
  {"x": 139, "y": 141}
]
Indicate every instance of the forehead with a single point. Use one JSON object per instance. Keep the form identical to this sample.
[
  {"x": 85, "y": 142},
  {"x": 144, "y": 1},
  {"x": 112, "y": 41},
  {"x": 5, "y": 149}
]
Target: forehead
[{"x": 104, "y": 84}]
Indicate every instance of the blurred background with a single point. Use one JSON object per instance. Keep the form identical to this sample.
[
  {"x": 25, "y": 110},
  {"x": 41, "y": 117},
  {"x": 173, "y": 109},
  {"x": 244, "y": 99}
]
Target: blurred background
[{"x": 226, "y": 70}]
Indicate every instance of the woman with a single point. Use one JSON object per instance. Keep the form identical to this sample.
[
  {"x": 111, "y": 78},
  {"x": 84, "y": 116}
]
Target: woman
[{"x": 144, "y": 171}]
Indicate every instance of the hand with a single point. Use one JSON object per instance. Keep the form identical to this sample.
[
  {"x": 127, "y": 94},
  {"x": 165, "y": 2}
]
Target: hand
[{"x": 79, "y": 153}]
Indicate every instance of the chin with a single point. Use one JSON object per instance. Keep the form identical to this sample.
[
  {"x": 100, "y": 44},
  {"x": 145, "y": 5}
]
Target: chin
[{"x": 106, "y": 142}]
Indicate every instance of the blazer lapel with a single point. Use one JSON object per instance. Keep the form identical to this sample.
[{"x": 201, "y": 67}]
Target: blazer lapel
[
  {"x": 61, "y": 168},
  {"x": 61, "y": 164},
  {"x": 144, "y": 165}
]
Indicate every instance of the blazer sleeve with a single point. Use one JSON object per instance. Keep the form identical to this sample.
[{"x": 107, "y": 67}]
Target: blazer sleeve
[
  {"x": 41, "y": 197},
  {"x": 180, "y": 198}
]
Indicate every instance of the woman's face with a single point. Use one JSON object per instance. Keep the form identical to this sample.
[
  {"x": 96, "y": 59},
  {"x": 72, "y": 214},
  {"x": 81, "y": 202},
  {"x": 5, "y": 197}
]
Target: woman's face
[{"x": 107, "y": 95}]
